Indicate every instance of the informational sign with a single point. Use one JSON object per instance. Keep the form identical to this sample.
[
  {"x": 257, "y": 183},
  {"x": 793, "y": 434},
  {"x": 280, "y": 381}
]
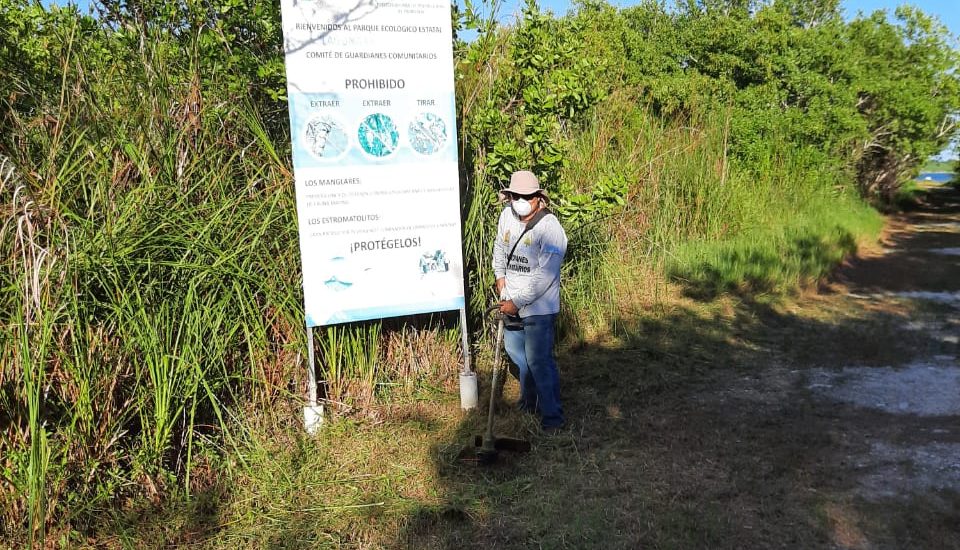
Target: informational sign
[{"x": 372, "y": 118}]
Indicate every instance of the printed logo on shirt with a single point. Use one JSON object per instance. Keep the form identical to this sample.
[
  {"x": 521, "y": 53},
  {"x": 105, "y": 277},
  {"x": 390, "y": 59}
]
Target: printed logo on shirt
[
  {"x": 519, "y": 264},
  {"x": 528, "y": 241},
  {"x": 506, "y": 237}
]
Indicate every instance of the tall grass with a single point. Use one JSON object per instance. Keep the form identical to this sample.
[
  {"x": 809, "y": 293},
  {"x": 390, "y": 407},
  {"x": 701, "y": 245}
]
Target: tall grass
[
  {"x": 149, "y": 284},
  {"x": 33, "y": 287},
  {"x": 350, "y": 357},
  {"x": 693, "y": 216}
]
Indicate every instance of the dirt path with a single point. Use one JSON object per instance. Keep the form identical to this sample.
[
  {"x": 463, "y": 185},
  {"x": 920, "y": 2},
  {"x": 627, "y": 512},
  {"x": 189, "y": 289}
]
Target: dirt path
[
  {"x": 828, "y": 423},
  {"x": 917, "y": 451}
]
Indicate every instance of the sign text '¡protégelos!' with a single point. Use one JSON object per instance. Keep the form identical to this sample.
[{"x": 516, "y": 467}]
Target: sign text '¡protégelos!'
[
  {"x": 384, "y": 244},
  {"x": 374, "y": 84}
]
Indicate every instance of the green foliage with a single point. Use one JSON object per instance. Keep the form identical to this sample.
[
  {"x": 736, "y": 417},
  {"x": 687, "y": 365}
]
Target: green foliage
[
  {"x": 606, "y": 197},
  {"x": 908, "y": 90},
  {"x": 776, "y": 259},
  {"x": 161, "y": 259},
  {"x": 235, "y": 45},
  {"x": 350, "y": 356},
  {"x": 871, "y": 95},
  {"x": 547, "y": 80}
]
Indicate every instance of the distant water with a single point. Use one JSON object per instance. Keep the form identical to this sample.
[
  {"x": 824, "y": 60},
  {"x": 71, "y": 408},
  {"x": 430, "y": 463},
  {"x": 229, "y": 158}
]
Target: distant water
[{"x": 935, "y": 176}]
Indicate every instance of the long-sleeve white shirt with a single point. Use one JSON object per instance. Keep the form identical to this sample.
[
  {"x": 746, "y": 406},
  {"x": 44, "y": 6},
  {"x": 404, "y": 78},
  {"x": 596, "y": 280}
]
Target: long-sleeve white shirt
[{"x": 533, "y": 276}]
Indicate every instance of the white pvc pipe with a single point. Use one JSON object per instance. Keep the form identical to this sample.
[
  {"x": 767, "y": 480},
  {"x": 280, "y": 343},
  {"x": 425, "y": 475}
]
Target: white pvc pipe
[{"x": 469, "y": 394}]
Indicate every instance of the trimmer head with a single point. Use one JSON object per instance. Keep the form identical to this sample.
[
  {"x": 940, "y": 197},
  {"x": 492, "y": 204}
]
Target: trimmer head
[
  {"x": 487, "y": 452},
  {"x": 486, "y": 457},
  {"x": 505, "y": 444}
]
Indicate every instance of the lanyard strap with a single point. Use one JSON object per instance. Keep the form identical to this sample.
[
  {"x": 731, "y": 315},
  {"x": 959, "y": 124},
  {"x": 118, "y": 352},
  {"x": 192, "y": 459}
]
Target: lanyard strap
[{"x": 530, "y": 224}]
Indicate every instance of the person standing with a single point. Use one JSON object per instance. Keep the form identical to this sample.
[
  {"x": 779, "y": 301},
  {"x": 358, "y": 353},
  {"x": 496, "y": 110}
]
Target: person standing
[{"x": 527, "y": 255}]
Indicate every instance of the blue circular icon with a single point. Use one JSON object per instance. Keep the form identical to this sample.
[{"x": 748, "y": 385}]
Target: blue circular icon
[
  {"x": 378, "y": 135},
  {"x": 325, "y": 137},
  {"x": 427, "y": 133}
]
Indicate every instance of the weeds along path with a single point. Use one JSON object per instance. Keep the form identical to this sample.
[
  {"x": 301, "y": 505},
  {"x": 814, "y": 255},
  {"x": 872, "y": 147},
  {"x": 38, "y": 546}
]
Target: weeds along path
[{"x": 828, "y": 422}]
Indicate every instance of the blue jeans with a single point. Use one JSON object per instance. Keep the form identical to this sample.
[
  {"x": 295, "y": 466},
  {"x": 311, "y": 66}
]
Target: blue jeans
[{"x": 531, "y": 349}]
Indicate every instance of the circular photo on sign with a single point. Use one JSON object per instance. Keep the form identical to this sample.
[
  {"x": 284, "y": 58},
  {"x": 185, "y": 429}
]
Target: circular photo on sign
[
  {"x": 427, "y": 133},
  {"x": 378, "y": 135},
  {"x": 325, "y": 137}
]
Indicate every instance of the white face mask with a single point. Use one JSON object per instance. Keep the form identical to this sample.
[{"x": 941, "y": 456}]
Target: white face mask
[{"x": 521, "y": 207}]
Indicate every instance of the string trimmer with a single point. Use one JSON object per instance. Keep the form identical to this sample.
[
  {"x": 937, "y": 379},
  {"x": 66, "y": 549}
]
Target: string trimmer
[{"x": 488, "y": 446}]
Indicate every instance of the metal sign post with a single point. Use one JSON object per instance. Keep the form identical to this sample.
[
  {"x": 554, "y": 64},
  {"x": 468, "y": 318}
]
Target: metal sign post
[{"x": 312, "y": 412}]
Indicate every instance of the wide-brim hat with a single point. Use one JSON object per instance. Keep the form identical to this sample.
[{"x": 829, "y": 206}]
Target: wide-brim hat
[{"x": 523, "y": 182}]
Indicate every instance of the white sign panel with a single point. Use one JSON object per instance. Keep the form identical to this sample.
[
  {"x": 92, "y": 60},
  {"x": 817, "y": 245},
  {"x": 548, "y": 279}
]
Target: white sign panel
[{"x": 372, "y": 118}]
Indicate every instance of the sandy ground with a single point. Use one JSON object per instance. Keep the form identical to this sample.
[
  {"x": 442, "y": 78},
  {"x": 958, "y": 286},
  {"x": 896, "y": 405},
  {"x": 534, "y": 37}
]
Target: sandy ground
[{"x": 921, "y": 393}]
